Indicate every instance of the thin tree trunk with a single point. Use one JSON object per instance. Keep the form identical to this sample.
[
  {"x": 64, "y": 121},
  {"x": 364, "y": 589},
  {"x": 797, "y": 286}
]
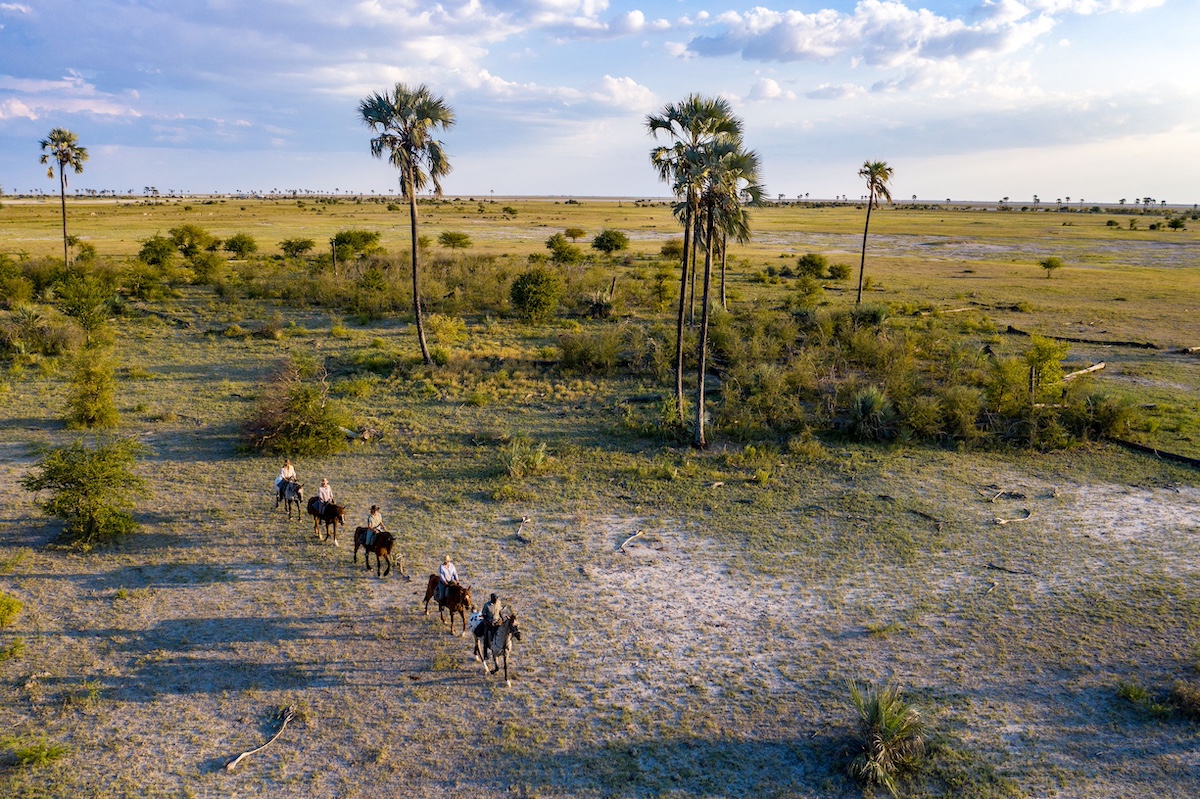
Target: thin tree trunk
[
  {"x": 702, "y": 347},
  {"x": 683, "y": 272},
  {"x": 862, "y": 265},
  {"x": 695, "y": 245},
  {"x": 412, "y": 212},
  {"x": 62, "y": 196},
  {"x": 724, "y": 252}
]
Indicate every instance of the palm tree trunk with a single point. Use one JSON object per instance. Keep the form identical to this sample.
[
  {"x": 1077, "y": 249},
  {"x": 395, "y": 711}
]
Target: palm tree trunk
[
  {"x": 412, "y": 213},
  {"x": 683, "y": 276},
  {"x": 862, "y": 265},
  {"x": 62, "y": 196},
  {"x": 702, "y": 347},
  {"x": 724, "y": 252},
  {"x": 695, "y": 245}
]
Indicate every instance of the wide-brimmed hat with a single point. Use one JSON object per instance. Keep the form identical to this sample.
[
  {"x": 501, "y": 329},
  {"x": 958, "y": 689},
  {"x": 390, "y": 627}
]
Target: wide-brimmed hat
[{"x": 374, "y": 508}]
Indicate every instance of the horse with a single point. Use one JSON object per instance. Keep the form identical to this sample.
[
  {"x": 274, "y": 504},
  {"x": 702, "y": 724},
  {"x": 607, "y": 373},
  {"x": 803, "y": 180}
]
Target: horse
[
  {"x": 381, "y": 546},
  {"x": 291, "y": 493},
  {"x": 458, "y": 600},
  {"x": 498, "y": 642},
  {"x": 331, "y": 514}
]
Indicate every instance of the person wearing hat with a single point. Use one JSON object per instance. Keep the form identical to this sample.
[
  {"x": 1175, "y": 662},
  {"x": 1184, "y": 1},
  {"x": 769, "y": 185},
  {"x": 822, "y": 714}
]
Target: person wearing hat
[
  {"x": 447, "y": 574},
  {"x": 287, "y": 474},
  {"x": 491, "y": 613},
  {"x": 374, "y": 525}
]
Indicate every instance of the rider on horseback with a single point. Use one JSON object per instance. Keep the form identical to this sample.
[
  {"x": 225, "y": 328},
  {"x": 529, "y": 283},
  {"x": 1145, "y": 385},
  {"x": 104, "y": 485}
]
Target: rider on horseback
[
  {"x": 447, "y": 575},
  {"x": 324, "y": 495},
  {"x": 374, "y": 526},
  {"x": 491, "y": 613},
  {"x": 287, "y": 474}
]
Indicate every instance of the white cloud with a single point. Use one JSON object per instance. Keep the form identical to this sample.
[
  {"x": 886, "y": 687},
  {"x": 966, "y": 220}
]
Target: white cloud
[
  {"x": 765, "y": 89},
  {"x": 15, "y": 8},
  {"x": 12, "y": 108},
  {"x": 830, "y": 91}
]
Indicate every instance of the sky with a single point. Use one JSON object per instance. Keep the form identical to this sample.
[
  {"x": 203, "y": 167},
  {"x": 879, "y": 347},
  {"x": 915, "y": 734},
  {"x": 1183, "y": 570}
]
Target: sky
[{"x": 1095, "y": 100}]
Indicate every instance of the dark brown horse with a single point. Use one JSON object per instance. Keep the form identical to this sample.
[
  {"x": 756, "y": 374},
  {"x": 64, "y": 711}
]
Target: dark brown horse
[
  {"x": 331, "y": 514},
  {"x": 458, "y": 600},
  {"x": 497, "y": 642},
  {"x": 381, "y": 546}
]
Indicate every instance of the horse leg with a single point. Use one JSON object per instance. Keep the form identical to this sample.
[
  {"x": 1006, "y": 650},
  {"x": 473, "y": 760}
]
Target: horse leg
[{"x": 389, "y": 566}]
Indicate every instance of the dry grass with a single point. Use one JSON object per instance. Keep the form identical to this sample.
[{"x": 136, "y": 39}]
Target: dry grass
[{"x": 708, "y": 659}]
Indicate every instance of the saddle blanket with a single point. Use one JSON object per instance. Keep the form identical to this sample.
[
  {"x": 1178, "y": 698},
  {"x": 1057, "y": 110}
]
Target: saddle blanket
[{"x": 475, "y": 622}]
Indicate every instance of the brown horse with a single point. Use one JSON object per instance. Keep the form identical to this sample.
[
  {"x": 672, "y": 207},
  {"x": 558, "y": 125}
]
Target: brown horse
[
  {"x": 497, "y": 642},
  {"x": 458, "y": 600},
  {"x": 331, "y": 514},
  {"x": 381, "y": 546}
]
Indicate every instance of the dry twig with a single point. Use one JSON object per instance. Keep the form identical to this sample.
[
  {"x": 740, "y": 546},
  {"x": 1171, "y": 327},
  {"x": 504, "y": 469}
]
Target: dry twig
[
  {"x": 627, "y": 540},
  {"x": 1028, "y": 514},
  {"x": 287, "y": 714}
]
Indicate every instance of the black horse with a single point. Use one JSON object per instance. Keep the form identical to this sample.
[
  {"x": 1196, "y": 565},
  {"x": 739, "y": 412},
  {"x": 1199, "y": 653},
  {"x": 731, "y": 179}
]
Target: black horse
[
  {"x": 331, "y": 514},
  {"x": 291, "y": 493},
  {"x": 498, "y": 642},
  {"x": 381, "y": 546}
]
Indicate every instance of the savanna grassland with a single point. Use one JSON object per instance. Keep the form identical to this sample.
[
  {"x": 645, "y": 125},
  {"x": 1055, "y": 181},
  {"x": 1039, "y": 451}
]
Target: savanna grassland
[{"x": 1038, "y": 603}]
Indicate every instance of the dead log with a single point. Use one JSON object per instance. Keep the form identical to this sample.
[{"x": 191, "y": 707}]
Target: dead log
[
  {"x": 1095, "y": 368},
  {"x": 1028, "y": 514},
  {"x": 1010, "y": 571},
  {"x": 627, "y": 540}
]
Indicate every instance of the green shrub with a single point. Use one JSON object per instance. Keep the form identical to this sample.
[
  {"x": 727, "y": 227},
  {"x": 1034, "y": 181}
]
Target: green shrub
[
  {"x": 840, "y": 271},
  {"x": 454, "y": 240},
  {"x": 812, "y": 264},
  {"x": 158, "y": 250},
  {"x": 10, "y": 606},
  {"x": 610, "y": 241},
  {"x": 92, "y": 489},
  {"x": 891, "y": 736},
  {"x": 91, "y": 402},
  {"x": 35, "y": 752},
  {"x": 871, "y": 416},
  {"x": 535, "y": 294},
  {"x": 520, "y": 457},
  {"x": 241, "y": 245},
  {"x": 295, "y": 417}
]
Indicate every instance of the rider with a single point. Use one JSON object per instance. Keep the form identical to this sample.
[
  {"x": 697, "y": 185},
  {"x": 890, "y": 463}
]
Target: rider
[
  {"x": 447, "y": 574},
  {"x": 324, "y": 495},
  {"x": 491, "y": 613},
  {"x": 286, "y": 474},
  {"x": 374, "y": 526}
]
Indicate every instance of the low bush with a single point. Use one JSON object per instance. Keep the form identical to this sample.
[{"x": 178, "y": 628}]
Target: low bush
[
  {"x": 295, "y": 417},
  {"x": 10, "y": 606},
  {"x": 891, "y": 736},
  {"x": 91, "y": 402},
  {"x": 535, "y": 294},
  {"x": 92, "y": 489}
]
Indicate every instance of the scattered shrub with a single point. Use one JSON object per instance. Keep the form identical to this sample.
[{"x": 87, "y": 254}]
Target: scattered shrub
[
  {"x": 610, "y": 241},
  {"x": 92, "y": 489},
  {"x": 10, "y": 606},
  {"x": 295, "y": 417},
  {"x": 520, "y": 457},
  {"x": 241, "y": 245},
  {"x": 871, "y": 416},
  {"x": 535, "y": 294},
  {"x": 891, "y": 736},
  {"x": 812, "y": 264},
  {"x": 91, "y": 402},
  {"x": 840, "y": 271}
]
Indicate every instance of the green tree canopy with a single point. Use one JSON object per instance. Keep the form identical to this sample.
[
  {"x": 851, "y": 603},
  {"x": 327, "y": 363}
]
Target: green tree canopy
[
  {"x": 454, "y": 240},
  {"x": 241, "y": 245},
  {"x": 609, "y": 241},
  {"x": 92, "y": 489},
  {"x": 191, "y": 239},
  {"x": 296, "y": 248},
  {"x": 62, "y": 148},
  {"x": 535, "y": 294}
]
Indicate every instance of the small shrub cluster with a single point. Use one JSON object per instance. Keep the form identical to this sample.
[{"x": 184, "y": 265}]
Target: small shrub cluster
[
  {"x": 294, "y": 416},
  {"x": 891, "y": 736}
]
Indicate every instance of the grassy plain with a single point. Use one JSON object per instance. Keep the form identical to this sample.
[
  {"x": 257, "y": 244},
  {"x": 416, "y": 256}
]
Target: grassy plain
[{"x": 710, "y": 658}]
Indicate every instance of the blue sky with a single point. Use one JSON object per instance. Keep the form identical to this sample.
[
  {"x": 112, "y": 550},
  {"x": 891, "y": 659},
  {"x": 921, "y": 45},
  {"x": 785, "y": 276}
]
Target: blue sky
[{"x": 980, "y": 99}]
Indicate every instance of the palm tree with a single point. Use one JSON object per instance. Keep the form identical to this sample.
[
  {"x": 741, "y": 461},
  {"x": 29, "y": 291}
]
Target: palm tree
[
  {"x": 877, "y": 174},
  {"x": 63, "y": 148},
  {"x": 405, "y": 120},
  {"x": 729, "y": 179},
  {"x": 691, "y": 125}
]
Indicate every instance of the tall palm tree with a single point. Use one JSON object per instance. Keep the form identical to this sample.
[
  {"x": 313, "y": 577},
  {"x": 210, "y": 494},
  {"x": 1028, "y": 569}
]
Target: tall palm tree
[
  {"x": 877, "y": 174},
  {"x": 405, "y": 120},
  {"x": 729, "y": 179},
  {"x": 62, "y": 147},
  {"x": 691, "y": 125}
]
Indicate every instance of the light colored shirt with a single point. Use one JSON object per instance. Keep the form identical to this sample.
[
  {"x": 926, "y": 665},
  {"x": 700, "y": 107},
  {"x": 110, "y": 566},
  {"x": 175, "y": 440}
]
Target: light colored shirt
[
  {"x": 375, "y": 520},
  {"x": 287, "y": 473},
  {"x": 448, "y": 573},
  {"x": 491, "y": 612},
  {"x": 325, "y": 493}
]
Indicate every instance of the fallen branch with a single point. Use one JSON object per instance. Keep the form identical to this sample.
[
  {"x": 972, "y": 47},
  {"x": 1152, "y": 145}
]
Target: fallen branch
[
  {"x": 1010, "y": 571},
  {"x": 1095, "y": 368},
  {"x": 627, "y": 540},
  {"x": 287, "y": 714},
  {"x": 520, "y": 529},
  {"x": 1028, "y": 514}
]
